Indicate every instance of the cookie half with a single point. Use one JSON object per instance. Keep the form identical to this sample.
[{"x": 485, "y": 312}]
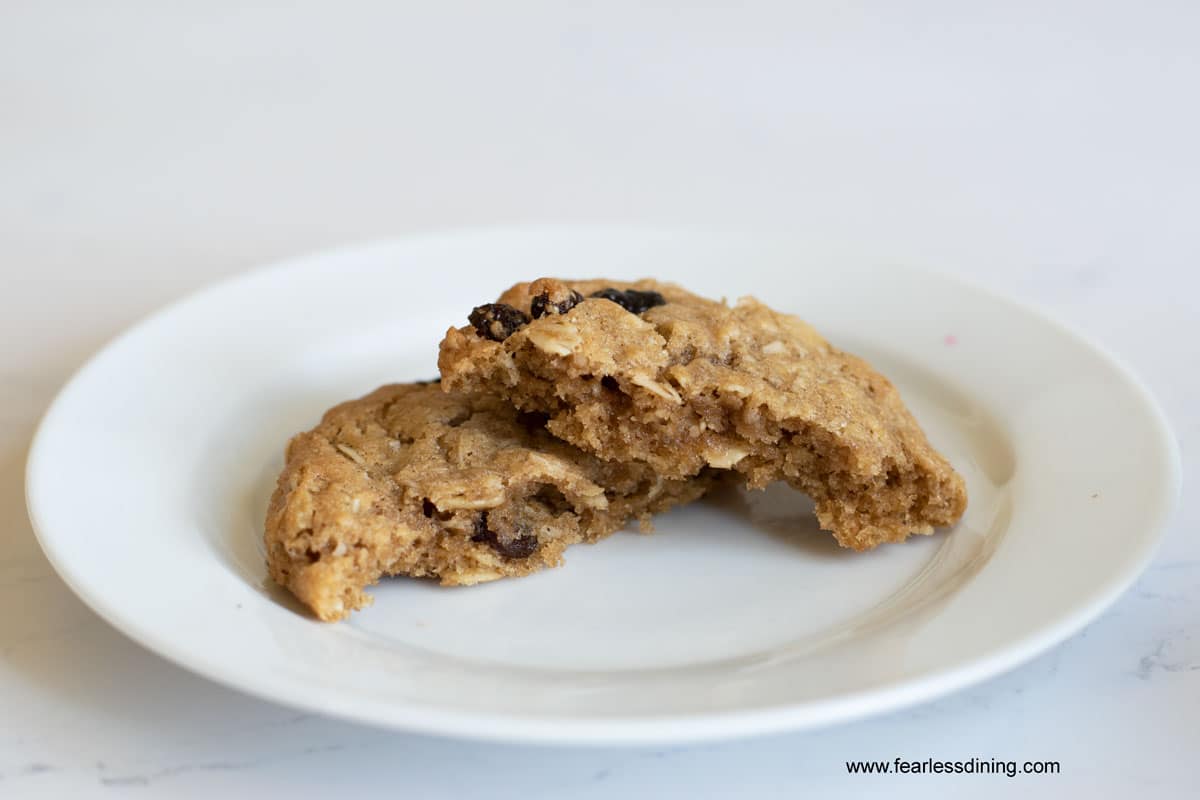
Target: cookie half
[
  {"x": 649, "y": 373},
  {"x": 413, "y": 481}
]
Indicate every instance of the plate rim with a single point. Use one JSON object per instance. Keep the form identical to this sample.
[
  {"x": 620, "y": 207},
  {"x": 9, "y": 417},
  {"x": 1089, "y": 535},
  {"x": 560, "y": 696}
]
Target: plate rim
[{"x": 649, "y": 729}]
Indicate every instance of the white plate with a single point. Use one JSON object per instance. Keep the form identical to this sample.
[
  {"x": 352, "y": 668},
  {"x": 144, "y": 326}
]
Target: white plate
[{"x": 149, "y": 477}]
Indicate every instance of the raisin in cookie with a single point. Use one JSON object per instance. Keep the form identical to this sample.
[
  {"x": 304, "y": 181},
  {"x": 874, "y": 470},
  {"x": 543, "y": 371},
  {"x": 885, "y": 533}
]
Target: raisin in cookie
[
  {"x": 648, "y": 372},
  {"x": 410, "y": 480}
]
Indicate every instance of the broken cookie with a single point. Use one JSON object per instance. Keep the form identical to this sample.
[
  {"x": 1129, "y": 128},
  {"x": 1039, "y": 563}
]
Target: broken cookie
[
  {"x": 648, "y": 373},
  {"x": 412, "y": 481}
]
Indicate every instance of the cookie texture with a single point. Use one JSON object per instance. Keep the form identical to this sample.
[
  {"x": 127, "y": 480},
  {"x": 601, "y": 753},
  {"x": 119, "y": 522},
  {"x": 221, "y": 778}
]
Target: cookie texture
[
  {"x": 649, "y": 373},
  {"x": 410, "y": 480}
]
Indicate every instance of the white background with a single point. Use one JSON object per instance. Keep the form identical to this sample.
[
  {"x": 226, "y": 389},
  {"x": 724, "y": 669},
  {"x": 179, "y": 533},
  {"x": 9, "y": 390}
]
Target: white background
[{"x": 1045, "y": 149}]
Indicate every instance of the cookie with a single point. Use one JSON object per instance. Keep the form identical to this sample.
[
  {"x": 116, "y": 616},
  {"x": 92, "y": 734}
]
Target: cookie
[
  {"x": 413, "y": 481},
  {"x": 650, "y": 373}
]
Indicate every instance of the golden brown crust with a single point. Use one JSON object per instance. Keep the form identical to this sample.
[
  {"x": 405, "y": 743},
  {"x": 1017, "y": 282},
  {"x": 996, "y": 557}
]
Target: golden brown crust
[
  {"x": 693, "y": 383},
  {"x": 409, "y": 480}
]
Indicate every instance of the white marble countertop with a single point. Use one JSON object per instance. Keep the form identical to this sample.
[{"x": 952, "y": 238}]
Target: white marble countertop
[{"x": 1045, "y": 149}]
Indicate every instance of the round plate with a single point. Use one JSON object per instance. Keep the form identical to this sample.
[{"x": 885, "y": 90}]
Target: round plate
[{"x": 149, "y": 477}]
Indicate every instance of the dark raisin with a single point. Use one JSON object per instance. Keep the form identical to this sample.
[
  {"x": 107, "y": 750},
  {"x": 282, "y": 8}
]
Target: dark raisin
[
  {"x": 427, "y": 507},
  {"x": 632, "y": 300},
  {"x": 541, "y": 305},
  {"x": 645, "y": 300},
  {"x": 616, "y": 296},
  {"x": 609, "y": 382},
  {"x": 497, "y": 321},
  {"x": 521, "y": 546}
]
